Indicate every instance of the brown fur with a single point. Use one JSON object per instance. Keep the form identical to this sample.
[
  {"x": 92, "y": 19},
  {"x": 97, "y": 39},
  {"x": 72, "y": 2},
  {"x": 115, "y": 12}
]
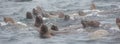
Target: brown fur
[
  {"x": 55, "y": 28},
  {"x": 44, "y": 32},
  {"x": 38, "y": 21},
  {"x": 67, "y": 17},
  {"x": 90, "y": 23},
  {"x": 35, "y": 12},
  {"x": 93, "y": 6},
  {"x": 39, "y": 8},
  {"x": 81, "y": 13},
  {"x": 57, "y": 14},
  {"x": 40, "y": 11},
  {"x": 0, "y": 24},
  {"x": 61, "y": 15},
  {"x": 118, "y": 22},
  {"x": 9, "y": 20},
  {"x": 29, "y": 15}
]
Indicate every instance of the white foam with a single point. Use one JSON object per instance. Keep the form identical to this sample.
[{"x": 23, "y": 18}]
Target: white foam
[
  {"x": 72, "y": 18},
  {"x": 3, "y": 23},
  {"x": 93, "y": 10},
  {"x": 45, "y": 18},
  {"x": 93, "y": 14},
  {"x": 114, "y": 29},
  {"x": 22, "y": 23},
  {"x": 80, "y": 30}
]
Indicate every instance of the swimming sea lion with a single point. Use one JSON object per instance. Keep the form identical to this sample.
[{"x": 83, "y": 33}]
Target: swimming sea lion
[
  {"x": 29, "y": 15},
  {"x": 38, "y": 21},
  {"x": 92, "y": 23},
  {"x": 44, "y": 32}
]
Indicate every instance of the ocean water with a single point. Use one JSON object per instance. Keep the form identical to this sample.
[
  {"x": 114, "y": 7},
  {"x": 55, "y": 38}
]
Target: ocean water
[{"x": 29, "y": 35}]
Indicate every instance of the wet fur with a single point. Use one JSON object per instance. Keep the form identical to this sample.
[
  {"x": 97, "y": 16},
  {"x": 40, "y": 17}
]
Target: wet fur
[
  {"x": 9, "y": 20},
  {"x": 44, "y": 32},
  {"x": 38, "y": 21},
  {"x": 90, "y": 23}
]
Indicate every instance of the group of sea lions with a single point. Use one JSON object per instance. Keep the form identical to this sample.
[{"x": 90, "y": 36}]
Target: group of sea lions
[{"x": 45, "y": 32}]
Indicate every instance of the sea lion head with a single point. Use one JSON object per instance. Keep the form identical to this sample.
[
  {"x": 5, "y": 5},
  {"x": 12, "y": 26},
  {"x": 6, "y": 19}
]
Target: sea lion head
[
  {"x": 9, "y": 20},
  {"x": 44, "y": 32},
  {"x": 61, "y": 15},
  {"x": 38, "y": 21},
  {"x": 66, "y": 17},
  {"x": 29, "y": 15},
  {"x": 93, "y": 6},
  {"x": 55, "y": 28},
  {"x": 44, "y": 29},
  {"x": 35, "y": 12}
]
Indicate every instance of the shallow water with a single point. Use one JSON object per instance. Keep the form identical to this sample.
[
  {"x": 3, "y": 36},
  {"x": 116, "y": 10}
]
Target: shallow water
[{"x": 29, "y": 35}]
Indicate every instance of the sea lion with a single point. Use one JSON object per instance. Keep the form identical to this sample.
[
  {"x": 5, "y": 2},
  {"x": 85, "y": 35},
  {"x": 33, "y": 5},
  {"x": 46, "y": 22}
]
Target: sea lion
[
  {"x": 55, "y": 28},
  {"x": 92, "y": 7},
  {"x": 29, "y": 15},
  {"x": 44, "y": 32},
  {"x": 61, "y": 15},
  {"x": 81, "y": 13},
  {"x": 35, "y": 12},
  {"x": 92, "y": 23},
  {"x": 9, "y": 20},
  {"x": 66, "y": 17},
  {"x": 118, "y": 22},
  {"x": 38, "y": 21}
]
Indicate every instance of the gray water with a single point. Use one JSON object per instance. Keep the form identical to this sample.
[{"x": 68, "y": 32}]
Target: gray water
[{"x": 28, "y": 35}]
